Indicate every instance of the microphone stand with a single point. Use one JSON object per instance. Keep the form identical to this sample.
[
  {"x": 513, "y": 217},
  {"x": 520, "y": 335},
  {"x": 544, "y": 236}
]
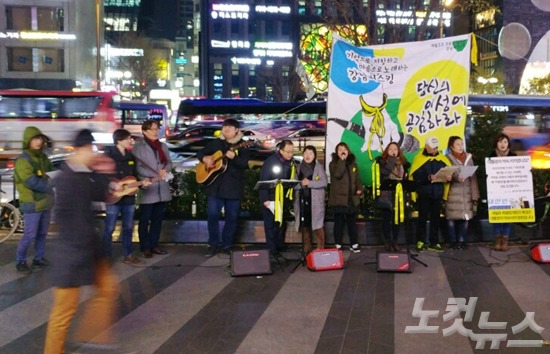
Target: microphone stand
[{"x": 302, "y": 259}]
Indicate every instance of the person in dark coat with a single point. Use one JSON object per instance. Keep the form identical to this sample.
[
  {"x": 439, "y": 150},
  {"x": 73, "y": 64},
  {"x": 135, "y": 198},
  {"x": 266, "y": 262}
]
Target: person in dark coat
[
  {"x": 79, "y": 259},
  {"x": 277, "y": 166},
  {"x": 501, "y": 231},
  {"x": 430, "y": 193},
  {"x": 393, "y": 166},
  {"x": 125, "y": 167},
  {"x": 228, "y": 188},
  {"x": 345, "y": 189}
]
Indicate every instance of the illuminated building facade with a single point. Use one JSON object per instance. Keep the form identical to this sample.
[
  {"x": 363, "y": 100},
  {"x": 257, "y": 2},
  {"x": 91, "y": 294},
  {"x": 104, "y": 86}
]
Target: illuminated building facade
[
  {"x": 247, "y": 48},
  {"x": 42, "y": 47}
]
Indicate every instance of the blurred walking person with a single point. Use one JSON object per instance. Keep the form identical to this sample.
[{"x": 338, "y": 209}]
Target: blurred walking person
[{"x": 79, "y": 259}]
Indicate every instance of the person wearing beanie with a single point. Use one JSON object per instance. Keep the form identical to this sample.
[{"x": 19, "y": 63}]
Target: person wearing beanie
[
  {"x": 227, "y": 189},
  {"x": 36, "y": 198}
]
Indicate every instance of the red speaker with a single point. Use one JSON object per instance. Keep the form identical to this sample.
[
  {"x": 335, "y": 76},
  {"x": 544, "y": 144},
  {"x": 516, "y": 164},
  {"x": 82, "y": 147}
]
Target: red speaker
[
  {"x": 250, "y": 262},
  {"x": 325, "y": 259},
  {"x": 541, "y": 253},
  {"x": 397, "y": 262}
]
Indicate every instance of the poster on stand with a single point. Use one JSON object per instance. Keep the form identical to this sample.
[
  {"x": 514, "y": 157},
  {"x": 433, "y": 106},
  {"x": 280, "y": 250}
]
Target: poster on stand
[{"x": 510, "y": 189}]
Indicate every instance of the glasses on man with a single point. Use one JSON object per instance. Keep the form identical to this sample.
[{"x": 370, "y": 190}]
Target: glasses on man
[{"x": 288, "y": 151}]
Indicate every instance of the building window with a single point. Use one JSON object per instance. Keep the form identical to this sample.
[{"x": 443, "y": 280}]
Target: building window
[
  {"x": 30, "y": 18},
  {"x": 50, "y": 19},
  {"x": 18, "y": 18},
  {"x": 35, "y": 59}
]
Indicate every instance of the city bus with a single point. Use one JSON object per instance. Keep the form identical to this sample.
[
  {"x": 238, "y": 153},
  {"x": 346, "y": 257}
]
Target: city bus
[
  {"x": 58, "y": 114},
  {"x": 134, "y": 113},
  {"x": 277, "y": 118}
]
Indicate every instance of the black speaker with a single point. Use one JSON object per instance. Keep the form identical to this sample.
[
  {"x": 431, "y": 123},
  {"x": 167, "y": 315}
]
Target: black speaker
[
  {"x": 250, "y": 262},
  {"x": 397, "y": 262},
  {"x": 541, "y": 253},
  {"x": 325, "y": 259}
]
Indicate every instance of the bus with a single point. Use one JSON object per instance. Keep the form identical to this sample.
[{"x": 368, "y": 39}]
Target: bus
[
  {"x": 134, "y": 113},
  {"x": 58, "y": 114},
  {"x": 275, "y": 118},
  {"x": 527, "y": 117}
]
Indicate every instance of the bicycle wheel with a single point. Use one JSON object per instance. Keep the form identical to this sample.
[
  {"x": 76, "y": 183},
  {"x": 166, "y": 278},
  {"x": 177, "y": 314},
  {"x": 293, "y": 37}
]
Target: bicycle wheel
[{"x": 10, "y": 218}]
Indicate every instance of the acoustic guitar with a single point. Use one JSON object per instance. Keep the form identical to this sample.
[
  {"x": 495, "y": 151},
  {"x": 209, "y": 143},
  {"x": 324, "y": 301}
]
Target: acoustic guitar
[
  {"x": 130, "y": 186},
  {"x": 207, "y": 175}
]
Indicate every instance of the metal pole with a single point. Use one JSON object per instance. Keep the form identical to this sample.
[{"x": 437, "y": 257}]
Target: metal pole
[{"x": 98, "y": 43}]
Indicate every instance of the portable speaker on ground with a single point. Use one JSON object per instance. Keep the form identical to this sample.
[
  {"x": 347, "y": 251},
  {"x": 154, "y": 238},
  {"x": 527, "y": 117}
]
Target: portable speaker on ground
[
  {"x": 541, "y": 253},
  {"x": 325, "y": 259},
  {"x": 398, "y": 262},
  {"x": 250, "y": 262}
]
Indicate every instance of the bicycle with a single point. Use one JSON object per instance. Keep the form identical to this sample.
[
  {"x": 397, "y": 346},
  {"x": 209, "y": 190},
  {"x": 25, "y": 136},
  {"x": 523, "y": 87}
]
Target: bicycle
[{"x": 10, "y": 220}]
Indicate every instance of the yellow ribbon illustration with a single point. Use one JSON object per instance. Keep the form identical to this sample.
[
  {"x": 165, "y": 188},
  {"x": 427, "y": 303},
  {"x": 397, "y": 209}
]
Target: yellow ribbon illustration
[{"x": 377, "y": 125}]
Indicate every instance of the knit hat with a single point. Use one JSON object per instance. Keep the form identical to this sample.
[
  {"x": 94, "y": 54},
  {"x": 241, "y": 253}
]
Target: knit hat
[{"x": 83, "y": 138}]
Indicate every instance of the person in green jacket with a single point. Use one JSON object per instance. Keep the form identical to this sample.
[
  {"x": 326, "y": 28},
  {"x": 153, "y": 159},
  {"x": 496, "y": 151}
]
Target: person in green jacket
[{"x": 35, "y": 198}]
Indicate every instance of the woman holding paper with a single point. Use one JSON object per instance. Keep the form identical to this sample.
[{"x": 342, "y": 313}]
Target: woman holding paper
[
  {"x": 501, "y": 231},
  {"x": 463, "y": 194}
]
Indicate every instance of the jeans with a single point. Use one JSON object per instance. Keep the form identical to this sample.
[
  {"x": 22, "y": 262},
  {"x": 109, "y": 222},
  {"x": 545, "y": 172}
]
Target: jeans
[
  {"x": 345, "y": 218},
  {"x": 428, "y": 209},
  {"x": 457, "y": 230},
  {"x": 150, "y": 224},
  {"x": 127, "y": 213},
  {"x": 502, "y": 229},
  {"x": 36, "y": 228},
  {"x": 231, "y": 207}
]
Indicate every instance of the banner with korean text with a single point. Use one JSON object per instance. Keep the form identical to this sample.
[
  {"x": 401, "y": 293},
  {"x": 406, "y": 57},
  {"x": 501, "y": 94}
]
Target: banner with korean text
[
  {"x": 403, "y": 92},
  {"x": 510, "y": 189}
]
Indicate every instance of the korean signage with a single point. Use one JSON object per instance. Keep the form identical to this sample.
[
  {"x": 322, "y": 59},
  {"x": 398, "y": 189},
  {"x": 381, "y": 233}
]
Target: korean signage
[{"x": 510, "y": 189}]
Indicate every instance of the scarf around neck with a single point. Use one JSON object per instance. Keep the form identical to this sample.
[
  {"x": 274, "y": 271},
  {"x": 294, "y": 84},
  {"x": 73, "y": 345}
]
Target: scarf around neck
[
  {"x": 157, "y": 146},
  {"x": 459, "y": 156}
]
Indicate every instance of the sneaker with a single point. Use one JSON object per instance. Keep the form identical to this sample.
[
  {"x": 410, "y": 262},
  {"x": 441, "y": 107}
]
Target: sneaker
[
  {"x": 462, "y": 246},
  {"x": 420, "y": 246},
  {"x": 436, "y": 248},
  {"x": 40, "y": 263},
  {"x": 212, "y": 251},
  {"x": 147, "y": 254},
  {"x": 132, "y": 260},
  {"x": 454, "y": 246},
  {"x": 24, "y": 268},
  {"x": 355, "y": 248},
  {"x": 338, "y": 246}
]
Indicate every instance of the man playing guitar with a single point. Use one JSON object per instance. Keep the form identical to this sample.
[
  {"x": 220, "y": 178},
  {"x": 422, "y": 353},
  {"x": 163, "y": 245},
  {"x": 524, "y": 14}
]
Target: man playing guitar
[
  {"x": 125, "y": 167},
  {"x": 227, "y": 188}
]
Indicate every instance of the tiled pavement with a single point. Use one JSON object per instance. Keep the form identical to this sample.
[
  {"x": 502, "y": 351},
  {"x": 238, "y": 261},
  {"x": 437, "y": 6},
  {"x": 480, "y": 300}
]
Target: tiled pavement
[{"x": 183, "y": 302}]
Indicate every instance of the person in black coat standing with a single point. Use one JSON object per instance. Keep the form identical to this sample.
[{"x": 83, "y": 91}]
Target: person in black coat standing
[
  {"x": 227, "y": 188},
  {"x": 277, "y": 166},
  {"x": 79, "y": 258}
]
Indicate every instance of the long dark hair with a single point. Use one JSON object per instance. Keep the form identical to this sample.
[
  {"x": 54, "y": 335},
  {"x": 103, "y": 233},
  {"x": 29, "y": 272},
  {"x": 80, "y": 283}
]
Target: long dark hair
[
  {"x": 400, "y": 155},
  {"x": 501, "y": 137}
]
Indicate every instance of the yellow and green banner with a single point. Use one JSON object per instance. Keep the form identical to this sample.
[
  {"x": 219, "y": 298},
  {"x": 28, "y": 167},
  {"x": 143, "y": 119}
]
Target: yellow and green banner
[{"x": 403, "y": 92}]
